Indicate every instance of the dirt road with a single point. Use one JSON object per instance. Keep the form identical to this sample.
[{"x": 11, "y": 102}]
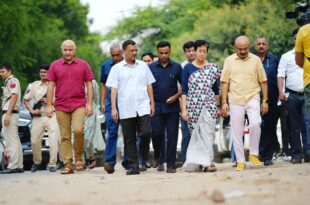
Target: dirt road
[{"x": 282, "y": 183}]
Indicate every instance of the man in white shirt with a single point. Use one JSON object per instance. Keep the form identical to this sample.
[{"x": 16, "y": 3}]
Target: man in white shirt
[
  {"x": 189, "y": 52},
  {"x": 289, "y": 71},
  {"x": 131, "y": 82}
]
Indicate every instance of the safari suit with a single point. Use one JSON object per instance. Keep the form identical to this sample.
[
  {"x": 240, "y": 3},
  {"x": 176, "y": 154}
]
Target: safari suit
[
  {"x": 10, "y": 133},
  {"x": 38, "y": 91}
]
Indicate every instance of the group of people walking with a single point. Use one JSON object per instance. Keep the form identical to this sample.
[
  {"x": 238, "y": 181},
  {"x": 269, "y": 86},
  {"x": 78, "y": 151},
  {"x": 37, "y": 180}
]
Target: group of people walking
[
  {"x": 148, "y": 98},
  {"x": 246, "y": 79}
]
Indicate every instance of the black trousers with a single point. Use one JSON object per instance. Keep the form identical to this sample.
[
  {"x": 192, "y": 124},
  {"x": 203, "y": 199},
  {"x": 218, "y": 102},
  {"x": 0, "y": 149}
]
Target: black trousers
[
  {"x": 165, "y": 122},
  {"x": 131, "y": 127},
  {"x": 269, "y": 139}
]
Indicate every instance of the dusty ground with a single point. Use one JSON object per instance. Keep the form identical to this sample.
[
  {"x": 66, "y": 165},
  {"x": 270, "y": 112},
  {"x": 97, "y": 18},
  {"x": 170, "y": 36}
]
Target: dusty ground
[{"x": 282, "y": 184}]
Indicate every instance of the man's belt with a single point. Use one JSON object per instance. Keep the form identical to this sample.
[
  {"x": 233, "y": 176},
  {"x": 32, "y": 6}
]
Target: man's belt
[
  {"x": 295, "y": 92},
  {"x": 5, "y": 111}
]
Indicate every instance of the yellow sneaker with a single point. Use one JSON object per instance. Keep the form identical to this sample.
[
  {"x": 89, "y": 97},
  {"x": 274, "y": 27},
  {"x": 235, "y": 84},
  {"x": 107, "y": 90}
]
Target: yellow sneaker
[
  {"x": 254, "y": 160},
  {"x": 240, "y": 166}
]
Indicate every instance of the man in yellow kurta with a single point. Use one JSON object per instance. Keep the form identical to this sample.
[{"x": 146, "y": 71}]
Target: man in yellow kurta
[
  {"x": 242, "y": 80},
  {"x": 302, "y": 57}
]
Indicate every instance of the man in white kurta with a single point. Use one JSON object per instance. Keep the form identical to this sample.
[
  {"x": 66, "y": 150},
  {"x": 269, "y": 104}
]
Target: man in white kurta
[{"x": 131, "y": 82}]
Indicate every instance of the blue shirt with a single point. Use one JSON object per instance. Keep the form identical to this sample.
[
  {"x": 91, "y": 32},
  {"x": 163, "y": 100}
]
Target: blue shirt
[
  {"x": 270, "y": 64},
  {"x": 187, "y": 71},
  {"x": 166, "y": 85},
  {"x": 105, "y": 70}
]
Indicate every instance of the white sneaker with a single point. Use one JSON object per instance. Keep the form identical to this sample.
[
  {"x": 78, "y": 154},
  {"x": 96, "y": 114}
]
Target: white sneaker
[{"x": 286, "y": 158}]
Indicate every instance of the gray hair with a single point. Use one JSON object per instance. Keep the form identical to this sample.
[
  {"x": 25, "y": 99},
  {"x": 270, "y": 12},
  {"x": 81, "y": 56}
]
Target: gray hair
[
  {"x": 115, "y": 46},
  {"x": 68, "y": 41}
]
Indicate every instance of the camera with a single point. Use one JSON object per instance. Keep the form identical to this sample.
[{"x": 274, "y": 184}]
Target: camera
[{"x": 301, "y": 13}]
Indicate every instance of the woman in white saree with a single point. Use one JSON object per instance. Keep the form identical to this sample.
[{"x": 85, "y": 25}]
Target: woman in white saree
[{"x": 200, "y": 108}]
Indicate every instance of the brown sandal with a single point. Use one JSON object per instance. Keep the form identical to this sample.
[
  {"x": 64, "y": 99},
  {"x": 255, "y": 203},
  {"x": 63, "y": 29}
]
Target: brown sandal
[
  {"x": 91, "y": 162},
  {"x": 210, "y": 168},
  {"x": 79, "y": 165},
  {"x": 67, "y": 170}
]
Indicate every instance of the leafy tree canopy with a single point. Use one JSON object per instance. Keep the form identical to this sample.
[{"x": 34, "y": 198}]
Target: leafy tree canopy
[
  {"x": 218, "y": 21},
  {"x": 32, "y": 32}
]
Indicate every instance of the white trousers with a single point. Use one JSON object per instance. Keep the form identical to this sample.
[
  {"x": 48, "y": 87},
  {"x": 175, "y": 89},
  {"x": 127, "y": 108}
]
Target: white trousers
[{"x": 237, "y": 120}]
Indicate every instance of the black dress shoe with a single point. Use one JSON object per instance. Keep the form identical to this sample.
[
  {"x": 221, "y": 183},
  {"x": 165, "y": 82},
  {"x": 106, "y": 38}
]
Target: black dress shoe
[
  {"x": 178, "y": 165},
  {"x": 307, "y": 158},
  {"x": 126, "y": 165},
  {"x": 60, "y": 165},
  {"x": 170, "y": 170},
  {"x": 12, "y": 171},
  {"x": 35, "y": 167},
  {"x": 296, "y": 161},
  {"x": 132, "y": 171},
  {"x": 268, "y": 162}
]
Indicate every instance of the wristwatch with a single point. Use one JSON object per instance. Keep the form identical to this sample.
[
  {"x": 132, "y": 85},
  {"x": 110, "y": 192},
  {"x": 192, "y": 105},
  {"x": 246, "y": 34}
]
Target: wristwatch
[{"x": 265, "y": 101}]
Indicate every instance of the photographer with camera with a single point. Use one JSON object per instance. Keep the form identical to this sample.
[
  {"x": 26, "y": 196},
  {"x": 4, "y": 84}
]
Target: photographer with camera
[
  {"x": 302, "y": 59},
  {"x": 302, "y": 55},
  {"x": 302, "y": 46},
  {"x": 37, "y": 92},
  {"x": 293, "y": 99}
]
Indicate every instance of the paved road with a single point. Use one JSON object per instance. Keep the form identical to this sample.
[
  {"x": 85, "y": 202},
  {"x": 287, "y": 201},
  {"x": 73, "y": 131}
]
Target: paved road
[{"x": 282, "y": 184}]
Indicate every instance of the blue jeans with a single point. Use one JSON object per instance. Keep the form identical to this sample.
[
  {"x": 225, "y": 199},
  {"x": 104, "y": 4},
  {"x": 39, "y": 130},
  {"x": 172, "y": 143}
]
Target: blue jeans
[
  {"x": 232, "y": 153},
  {"x": 111, "y": 143},
  {"x": 186, "y": 136},
  {"x": 305, "y": 131},
  {"x": 307, "y": 97},
  {"x": 297, "y": 112}
]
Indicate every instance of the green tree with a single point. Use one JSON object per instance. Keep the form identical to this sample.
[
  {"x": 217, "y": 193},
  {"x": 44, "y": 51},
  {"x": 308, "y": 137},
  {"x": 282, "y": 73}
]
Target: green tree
[
  {"x": 150, "y": 25},
  {"x": 32, "y": 32},
  {"x": 220, "y": 26},
  {"x": 218, "y": 21}
]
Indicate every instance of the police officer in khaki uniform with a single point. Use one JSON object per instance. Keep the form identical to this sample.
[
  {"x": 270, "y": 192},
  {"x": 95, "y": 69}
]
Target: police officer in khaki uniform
[
  {"x": 37, "y": 92},
  {"x": 10, "y": 109}
]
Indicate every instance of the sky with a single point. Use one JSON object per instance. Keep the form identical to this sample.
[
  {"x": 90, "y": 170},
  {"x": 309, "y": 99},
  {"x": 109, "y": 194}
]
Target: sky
[{"x": 105, "y": 13}]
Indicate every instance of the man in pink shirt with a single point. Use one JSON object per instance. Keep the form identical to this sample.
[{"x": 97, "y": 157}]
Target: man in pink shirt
[{"x": 68, "y": 75}]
